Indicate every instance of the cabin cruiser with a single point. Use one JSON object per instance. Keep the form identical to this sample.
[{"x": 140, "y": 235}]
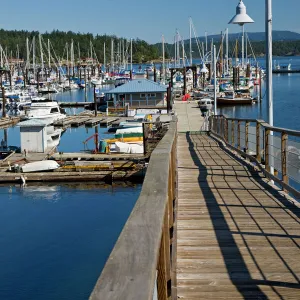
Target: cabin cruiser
[
  {"x": 232, "y": 98},
  {"x": 44, "y": 109}
]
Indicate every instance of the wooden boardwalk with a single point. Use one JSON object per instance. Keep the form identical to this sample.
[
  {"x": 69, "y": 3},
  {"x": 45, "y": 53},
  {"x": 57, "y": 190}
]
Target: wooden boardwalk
[{"x": 237, "y": 236}]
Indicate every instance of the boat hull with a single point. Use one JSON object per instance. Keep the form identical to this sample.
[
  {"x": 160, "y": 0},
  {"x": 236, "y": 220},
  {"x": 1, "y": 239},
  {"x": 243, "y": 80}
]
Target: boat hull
[{"x": 225, "y": 101}]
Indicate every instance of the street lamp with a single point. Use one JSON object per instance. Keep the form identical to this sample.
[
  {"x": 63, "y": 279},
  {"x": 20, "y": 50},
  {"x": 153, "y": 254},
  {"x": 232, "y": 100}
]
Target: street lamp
[{"x": 241, "y": 18}]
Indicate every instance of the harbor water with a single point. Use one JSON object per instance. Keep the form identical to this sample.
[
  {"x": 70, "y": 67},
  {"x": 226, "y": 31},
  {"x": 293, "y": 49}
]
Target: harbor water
[{"x": 55, "y": 239}]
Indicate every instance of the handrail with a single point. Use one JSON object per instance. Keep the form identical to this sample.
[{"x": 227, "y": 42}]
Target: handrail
[
  {"x": 141, "y": 256},
  {"x": 265, "y": 153},
  {"x": 265, "y": 124}
]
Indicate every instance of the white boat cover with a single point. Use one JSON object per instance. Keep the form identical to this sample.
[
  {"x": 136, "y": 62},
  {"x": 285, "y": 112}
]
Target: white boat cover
[
  {"x": 129, "y": 147},
  {"x": 39, "y": 166},
  {"x": 130, "y": 130}
]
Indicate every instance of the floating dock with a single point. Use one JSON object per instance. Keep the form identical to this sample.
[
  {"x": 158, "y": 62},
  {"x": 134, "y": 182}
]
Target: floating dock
[
  {"x": 89, "y": 121},
  {"x": 8, "y": 122}
]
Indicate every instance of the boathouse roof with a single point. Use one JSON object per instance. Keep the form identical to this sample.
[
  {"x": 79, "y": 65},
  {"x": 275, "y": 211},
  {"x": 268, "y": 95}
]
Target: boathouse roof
[{"x": 139, "y": 86}]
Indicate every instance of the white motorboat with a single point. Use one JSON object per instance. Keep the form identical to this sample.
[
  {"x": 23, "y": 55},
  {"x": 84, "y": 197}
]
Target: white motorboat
[
  {"x": 40, "y": 166},
  {"x": 44, "y": 109},
  {"x": 206, "y": 105},
  {"x": 53, "y": 136}
]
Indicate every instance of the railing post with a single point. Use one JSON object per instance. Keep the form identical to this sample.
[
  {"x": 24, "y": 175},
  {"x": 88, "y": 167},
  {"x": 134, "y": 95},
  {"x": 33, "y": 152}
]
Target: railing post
[
  {"x": 267, "y": 159},
  {"x": 258, "y": 156},
  {"x": 232, "y": 133},
  {"x": 226, "y": 130},
  {"x": 239, "y": 134},
  {"x": 284, "y": 138},
  {"x": 164, "y": 261},
  {"x": 247, "y": 136}
]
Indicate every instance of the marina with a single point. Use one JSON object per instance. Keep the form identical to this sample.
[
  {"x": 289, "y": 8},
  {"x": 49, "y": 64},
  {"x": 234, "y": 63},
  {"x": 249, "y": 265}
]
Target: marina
[{"x": 150, "y": 171}]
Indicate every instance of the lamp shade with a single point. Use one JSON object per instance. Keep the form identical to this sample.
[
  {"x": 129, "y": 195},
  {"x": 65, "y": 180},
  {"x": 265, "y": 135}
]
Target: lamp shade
[{"x": 241, "y": 16}]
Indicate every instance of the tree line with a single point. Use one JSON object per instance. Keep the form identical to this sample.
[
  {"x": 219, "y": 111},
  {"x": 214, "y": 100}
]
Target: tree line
[{"x": 13, "y": 43}]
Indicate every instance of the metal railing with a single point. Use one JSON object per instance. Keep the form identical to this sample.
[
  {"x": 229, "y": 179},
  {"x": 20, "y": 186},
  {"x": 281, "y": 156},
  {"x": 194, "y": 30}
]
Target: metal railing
[
  {"x": 140, "y": 264},
  {"x": 276, "y": 151}
]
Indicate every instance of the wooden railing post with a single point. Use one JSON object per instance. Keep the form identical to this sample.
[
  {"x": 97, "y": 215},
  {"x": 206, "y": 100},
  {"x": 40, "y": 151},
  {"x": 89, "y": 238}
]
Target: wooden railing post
[
  {"x": 267, "y": 159},
  {"x": 232, "y": 133},
  {"x": 239, "y": 134},
  {"x": 284, "y": 138},
  {"x": 247, "y": 136},
  {"x": 164, "y": 266},
  {"x": 226, "y": 131},
  {"x": 258, "y": 156}
]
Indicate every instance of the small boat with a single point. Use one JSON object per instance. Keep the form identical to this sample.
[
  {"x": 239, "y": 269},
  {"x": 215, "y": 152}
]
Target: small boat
[
  {"x": 40, "y": 166},
  {"x": 44, "y": 109},
  {"x": 136, "y": 147},
  {"x": 205, "y": 105},
  {"x": 231, "y": 98}
]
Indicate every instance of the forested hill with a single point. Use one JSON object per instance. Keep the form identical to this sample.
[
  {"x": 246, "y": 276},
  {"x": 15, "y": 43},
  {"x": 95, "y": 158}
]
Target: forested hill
[
  {"x": 11, "y": 40},
  {"x": 257, "y": 36},
  {"x": 14, "y": 41},
  {"x": 280, "y": 48}
]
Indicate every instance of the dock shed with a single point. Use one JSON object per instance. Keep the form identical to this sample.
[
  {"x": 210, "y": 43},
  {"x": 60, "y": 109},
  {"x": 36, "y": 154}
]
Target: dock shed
[
  {"x": 137, "y": 93},
  {"x": 33, "y": 135}
]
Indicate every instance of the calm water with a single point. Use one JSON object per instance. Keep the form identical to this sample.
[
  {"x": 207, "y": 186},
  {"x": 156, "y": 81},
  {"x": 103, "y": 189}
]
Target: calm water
[{"x": 56, "y": 239}]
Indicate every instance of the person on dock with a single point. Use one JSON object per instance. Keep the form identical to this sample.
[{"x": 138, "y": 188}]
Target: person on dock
[{"x": 25, "y": 152}]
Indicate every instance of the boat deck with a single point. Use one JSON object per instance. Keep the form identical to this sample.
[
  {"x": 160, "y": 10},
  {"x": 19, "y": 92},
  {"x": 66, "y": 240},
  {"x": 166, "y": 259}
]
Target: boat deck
[{"x": 237, "y": 236}]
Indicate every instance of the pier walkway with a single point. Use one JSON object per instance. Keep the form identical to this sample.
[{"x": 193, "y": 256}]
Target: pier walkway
[{"x": 237, "y": 236}]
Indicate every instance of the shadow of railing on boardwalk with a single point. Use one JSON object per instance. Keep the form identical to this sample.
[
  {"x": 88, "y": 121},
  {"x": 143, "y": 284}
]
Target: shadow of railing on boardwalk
[{"x": 238, "y": 271}]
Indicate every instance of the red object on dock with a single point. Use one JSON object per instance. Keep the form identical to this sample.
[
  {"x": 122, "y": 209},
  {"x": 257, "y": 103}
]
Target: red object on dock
[{"x": 186, "y": 97}]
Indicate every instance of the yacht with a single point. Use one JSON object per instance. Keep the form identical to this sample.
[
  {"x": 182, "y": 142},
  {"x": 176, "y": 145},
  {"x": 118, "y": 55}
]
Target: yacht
[{"x": 44, "y": 109}]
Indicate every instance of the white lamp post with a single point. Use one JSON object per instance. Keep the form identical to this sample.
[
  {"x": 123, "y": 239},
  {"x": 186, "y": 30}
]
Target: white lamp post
[
  {"x": 269, "y": 83},
  {"x": 241, "y": 18},
  {"x": 215, "y": 79},
  {"x": 269, "y": 87}
]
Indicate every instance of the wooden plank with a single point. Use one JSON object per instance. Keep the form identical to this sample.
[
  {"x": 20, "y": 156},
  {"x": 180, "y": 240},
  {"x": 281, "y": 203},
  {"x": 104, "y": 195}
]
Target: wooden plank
[{"x": 237, "y": 236}]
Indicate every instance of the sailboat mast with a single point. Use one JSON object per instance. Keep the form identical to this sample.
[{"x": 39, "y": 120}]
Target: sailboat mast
[
  {"x": 246, "y": 48},
  {"x": 227, "y": 55},
  {"x": 183, "y": 56},
  {"x": 112, "y": 55},
  {"x": 191, "y": 58},
  {"x": 49, "y": 56},
  {"x": 178, "y": 49},
  {"x": 206, "y": 41},
  {"x": 27, "y": 54},
  {"x": 67, "y": 46},
  {"x": 91, "y": 46},
  {"x": 72, "y": 55},
  {"x": 42, "y": 56},
  {"x": 175, "y": 48},
  {"x": 131, "y": 54},
  {"x": 163, "y": 51},
  {"x": 104, "y": 56},
  {"x": 33, "y": 55},
  {"x": 79, "y": 55}
]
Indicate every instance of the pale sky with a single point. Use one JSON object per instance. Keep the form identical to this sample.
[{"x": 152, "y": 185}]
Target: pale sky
[{"x": 146, "y": 20}]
